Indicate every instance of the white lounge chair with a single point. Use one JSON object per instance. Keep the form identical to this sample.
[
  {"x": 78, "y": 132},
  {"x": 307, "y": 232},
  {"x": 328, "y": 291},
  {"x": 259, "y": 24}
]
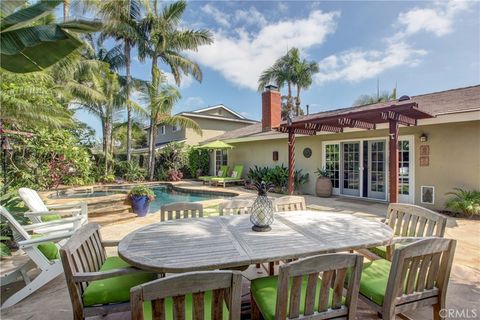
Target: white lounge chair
[
  {"x": 40, "y": 212},
  {"x": 42, "y": 250}
]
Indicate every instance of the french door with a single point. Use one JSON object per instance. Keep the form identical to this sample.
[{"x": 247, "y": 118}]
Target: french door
[{"x": 360, "y": 168}]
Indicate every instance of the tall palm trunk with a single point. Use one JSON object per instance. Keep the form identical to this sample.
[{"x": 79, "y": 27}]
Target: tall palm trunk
[
  {"x": 129, "y": 108},
  {"x": 289, "y": 97},
  {"x": 297, "y": 101},
  {"x": 106, "y": 139},
  {"x": 66, "y": 9},
  {"x": 151, "y": 148}
]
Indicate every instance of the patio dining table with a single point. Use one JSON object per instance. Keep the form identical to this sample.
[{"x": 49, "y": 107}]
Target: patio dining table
[{"x": 228, "y": 241}]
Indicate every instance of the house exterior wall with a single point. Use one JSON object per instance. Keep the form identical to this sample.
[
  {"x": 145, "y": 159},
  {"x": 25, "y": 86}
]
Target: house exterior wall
[
  {"x": 454, "y": 159},
  {"x": 219, "y": 112},
  {"x": 210, "y": 129}
]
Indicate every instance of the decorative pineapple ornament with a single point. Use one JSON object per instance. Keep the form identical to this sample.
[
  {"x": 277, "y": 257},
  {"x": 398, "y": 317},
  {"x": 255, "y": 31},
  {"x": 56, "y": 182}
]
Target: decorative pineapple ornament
[{"x": 262, "y": 210}]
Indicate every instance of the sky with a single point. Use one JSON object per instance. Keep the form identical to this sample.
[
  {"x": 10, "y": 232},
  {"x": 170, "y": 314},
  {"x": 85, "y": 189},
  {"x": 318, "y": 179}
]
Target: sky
[{"x": 418, "y": 47}]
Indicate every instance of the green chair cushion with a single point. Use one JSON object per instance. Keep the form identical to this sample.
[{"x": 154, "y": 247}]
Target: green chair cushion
[
  {"x": 147, "y": 308},
  {"x": 264, "y": 291},
  {"x": 381, "y": 251},
  {"x": 51, "y": 217},
  {"x": 373, "y": 282},
  {"x": 116, "y": 289},
  {"x": 223, "y": 169},
  {"x": 48, "y": 249}
]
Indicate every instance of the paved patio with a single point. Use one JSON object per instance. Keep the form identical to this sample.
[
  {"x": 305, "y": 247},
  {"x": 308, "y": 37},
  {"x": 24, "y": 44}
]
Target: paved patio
[{"x": 53, "y": 302}]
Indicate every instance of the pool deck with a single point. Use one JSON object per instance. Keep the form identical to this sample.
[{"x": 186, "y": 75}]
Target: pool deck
[{"x": 52, "y": 301}]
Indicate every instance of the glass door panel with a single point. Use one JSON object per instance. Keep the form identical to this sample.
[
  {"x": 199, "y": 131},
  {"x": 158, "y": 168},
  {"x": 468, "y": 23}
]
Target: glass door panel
[
  {"x": 332, "y": 164},
  {"x": 351, "y": 168},
  {"x": 376, "y": 169},
  {"x": 405, "y": 192}
]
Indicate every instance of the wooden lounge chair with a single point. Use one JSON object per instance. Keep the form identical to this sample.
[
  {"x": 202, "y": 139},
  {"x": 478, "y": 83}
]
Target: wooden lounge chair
[
  {"x": 41, "y": 250},
  {"x": 409, "y": 220},
  {"x": 289, "y": 203},
  {"x": 97, "y": 284},
  {"x": 299, "y": 293},
  {"x": 235, "y": 207},
  {"x": 417, "y": 277},
  {"x": 195, "y": 295},
  {"x": 223, "y": 172},
  {"x": 181, "y": 210},
  {"x": 40, "y": 212},
  {"x": 236, "y": 176}
]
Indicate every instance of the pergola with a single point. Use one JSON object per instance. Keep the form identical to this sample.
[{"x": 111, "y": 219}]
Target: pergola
[{"x": 399, "y": 113}]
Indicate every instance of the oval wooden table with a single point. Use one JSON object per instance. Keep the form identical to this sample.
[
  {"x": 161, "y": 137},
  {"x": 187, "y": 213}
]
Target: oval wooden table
[{"x": 224, "y": 242}]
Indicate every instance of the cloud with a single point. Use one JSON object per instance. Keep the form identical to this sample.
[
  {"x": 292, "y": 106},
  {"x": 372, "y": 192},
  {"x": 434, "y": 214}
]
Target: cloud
[
  {"x": 251, "y": 17},
  {"x": 241, "y": 57},
  {"x": 189, "y": 104},
  {"x": 356, "y": 65},
  {"x": 359, "y": 64},
  {"x": 220, "y": 17},
  {"x": 437, "y": 19}
]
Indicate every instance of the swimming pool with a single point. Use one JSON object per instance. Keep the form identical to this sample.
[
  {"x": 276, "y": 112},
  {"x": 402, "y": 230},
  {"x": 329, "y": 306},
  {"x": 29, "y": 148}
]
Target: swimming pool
[
  {"x": 86, "y": 194},
  {"x": 166, "y": 194}
]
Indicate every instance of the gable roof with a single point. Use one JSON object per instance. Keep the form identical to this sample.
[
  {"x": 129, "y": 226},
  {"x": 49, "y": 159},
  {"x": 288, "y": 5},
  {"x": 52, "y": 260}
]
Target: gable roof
[
  {"x": 219, "y": 106},
  {"x": 436, "y": 103}
]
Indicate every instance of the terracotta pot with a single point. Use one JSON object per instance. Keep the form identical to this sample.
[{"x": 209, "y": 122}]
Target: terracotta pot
[{"x": 324, "y": 187}]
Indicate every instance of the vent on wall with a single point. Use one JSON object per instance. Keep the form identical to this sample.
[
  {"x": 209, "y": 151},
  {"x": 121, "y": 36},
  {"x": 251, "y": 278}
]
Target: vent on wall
[{"x": 427, "y": 194}]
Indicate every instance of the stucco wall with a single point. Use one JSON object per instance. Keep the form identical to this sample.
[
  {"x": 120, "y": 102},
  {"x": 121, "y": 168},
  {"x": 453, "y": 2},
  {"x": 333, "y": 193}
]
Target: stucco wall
[
  {"x": 210, "y": 129},
  {"x": 169, "y": 135},
  {"x": 454, "y": 156}
]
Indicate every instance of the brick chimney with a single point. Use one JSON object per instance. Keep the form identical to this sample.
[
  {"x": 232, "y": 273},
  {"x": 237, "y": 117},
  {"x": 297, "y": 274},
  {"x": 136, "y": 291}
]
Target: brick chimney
[{"x": 271, "y": 108}]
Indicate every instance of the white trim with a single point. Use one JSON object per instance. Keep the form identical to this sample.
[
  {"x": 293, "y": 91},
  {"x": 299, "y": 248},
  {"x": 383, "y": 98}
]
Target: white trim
[
  {"x": 433, "y": 195},
  {"x": 219, "y": 106},
  {"x": 189, "y": 114},
  {"x": 411, "y": 192}
]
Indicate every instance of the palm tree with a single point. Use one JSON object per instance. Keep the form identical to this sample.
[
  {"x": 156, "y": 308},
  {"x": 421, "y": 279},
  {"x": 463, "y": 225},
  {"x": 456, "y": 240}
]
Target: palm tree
[
  {"x": 121, "y": 22},
  {"x": 160, "y": 100},
  {"x": 28, "y": 44},
  {"x": 290, "y": 70},
  {"x": 375, "y": 98}
]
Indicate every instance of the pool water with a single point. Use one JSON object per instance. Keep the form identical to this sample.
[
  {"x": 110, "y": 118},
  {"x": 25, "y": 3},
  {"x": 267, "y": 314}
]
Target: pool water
[{"x": 165, "y": 195}]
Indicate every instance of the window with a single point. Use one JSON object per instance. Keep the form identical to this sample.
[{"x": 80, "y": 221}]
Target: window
[
  {"x": 351, "y": 166},
  {"x": 176, "y": 128},
  {"x": 221, "y": 159},
  {"x": 162, "y": 130},
  {"x": 332, "y": 163},
  {"x": 403, "y": 167}
]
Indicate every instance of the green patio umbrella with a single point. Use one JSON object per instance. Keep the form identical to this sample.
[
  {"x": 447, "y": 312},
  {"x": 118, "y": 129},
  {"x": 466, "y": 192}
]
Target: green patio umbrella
[{"x": 215, "y": 145}]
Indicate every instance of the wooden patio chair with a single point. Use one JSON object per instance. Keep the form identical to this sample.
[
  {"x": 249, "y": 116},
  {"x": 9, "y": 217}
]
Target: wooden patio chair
[
  {"x": 181, "y": 210},
  {"x": 41, "y": 250},
  {"x": 311, "y": 288},
  {"x": 289, "y": 203},
  {"x": 235, "y": 207},
  {"x": 40, "y": 212},
  {"x": 408, "y": 220},
  {"x": 417, "y": 277},
  {"x": 97, "y": 284},
  {"x": 195, "y": 295}
]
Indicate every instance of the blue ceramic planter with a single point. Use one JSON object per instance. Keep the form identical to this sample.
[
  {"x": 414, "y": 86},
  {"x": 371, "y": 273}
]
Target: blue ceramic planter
[{"x": 140, "y": 205}]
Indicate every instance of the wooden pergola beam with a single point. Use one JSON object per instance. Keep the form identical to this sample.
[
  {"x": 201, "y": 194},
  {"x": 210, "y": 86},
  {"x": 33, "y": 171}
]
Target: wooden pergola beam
[
  {"x": 402, "y": 119},
  {"x": 352, "y": 123}
]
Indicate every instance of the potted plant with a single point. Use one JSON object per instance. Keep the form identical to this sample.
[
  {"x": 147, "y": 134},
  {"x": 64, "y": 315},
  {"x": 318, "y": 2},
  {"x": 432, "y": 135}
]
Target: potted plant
[
  {"x": 324, "y": 186},
  {"x": 141, "y": 197}
]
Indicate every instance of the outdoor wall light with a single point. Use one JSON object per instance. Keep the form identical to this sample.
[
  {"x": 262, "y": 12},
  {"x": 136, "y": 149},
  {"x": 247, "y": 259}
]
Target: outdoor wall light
[{"x": 423, "y": 137}]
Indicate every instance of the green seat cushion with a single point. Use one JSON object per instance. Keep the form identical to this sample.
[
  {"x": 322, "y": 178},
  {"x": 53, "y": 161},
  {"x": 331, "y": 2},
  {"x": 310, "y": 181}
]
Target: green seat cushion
[
  {"x": 381, "y": 251},
  {"x": 116, "y": 289},
  {"x": 373, "y": 282},
  {"x": 147, "y": 308},
  {"x": 264, "y": 291},
  {"x": 50, "y": 217},
  {"x": 48, "y": 249}
]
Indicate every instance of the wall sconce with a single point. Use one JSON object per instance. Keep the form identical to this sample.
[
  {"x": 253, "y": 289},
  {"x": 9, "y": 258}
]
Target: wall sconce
[
  {"x": 275, "y": 155},
  {"x": 423, "y": 137}
]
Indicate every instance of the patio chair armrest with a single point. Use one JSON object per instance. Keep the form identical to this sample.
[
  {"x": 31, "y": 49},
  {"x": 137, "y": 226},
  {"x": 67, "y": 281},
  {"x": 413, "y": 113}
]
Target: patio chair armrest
[
  {"x": 47, "y": 213},
  {"x": 51, "y": 223},
  {"x": 100, "y": 275},
  {"x": 383, "y": 220},
  {"x": 406, "y": 239},
  {"x": 49, "y": 238},
  {"x": 110, "y": 243},
  {"x": 66, "y": 205}
]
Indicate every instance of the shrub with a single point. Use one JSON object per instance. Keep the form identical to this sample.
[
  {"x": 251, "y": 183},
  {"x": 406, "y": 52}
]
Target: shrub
[
  {"x": 129, "y": 170},
  {"x": 174, "y": 175},
  {"x": 142, "y": 191},
  {"x": 172, "y": 156},
  {"x": 277, "y": 177},
  {"x": 467, "y": 202},
  {"x": 198, "y": 160}
]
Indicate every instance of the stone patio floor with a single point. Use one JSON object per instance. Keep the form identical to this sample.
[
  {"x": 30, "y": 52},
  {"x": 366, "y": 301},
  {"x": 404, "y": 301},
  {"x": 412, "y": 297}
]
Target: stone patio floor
[{"x": 53, "y": 302}]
